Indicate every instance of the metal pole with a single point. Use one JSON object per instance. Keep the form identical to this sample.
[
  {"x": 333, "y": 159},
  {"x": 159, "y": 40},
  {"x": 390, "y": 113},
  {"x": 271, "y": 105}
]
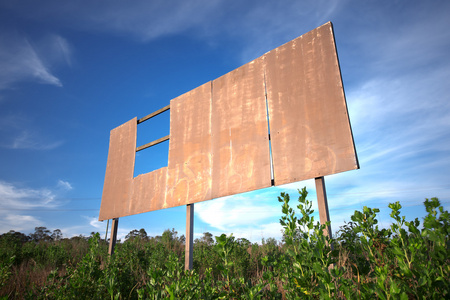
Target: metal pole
[
  {"x": 188, "y": 262},
  {"x": 323, "y": 203},
  {"x": 113, "y": 239}
]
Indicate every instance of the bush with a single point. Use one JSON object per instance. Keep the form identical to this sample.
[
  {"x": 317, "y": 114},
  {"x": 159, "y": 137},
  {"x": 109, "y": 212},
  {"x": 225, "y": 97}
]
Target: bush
[{"x": 408, "y": 260}]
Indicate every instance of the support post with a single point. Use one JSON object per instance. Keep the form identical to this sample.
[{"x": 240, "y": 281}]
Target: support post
[
  {"x": 188, "y": 262},
  {"x": 106, "y": 233},
  {"x": 323, "y": 203},
  {"x": 113, "y": 238}
]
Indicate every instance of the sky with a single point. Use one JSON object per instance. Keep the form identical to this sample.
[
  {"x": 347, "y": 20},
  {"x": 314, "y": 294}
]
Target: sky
[{"x": 71, "y": 71}]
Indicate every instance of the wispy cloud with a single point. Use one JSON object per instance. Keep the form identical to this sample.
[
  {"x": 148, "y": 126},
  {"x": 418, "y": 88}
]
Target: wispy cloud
[
  {"x": 22, "y": 198},
  {"x": 418, "y": 42},
  {"x": 21, "y": 62},
  {"x": 144, "y": 20},
  {"x": 65, "y": 185},
  {"x": 18, "y": 132},
  {"x": 92, "y": 224},
  {"x": 62, "y": 49},
  {"x": 16, "y": 199},
  {"x": 259, "y": 26},
  {"x": 230, "y": 213},
  {"x": 26, "y": 140},
  {"x": 18, "y": 222}
]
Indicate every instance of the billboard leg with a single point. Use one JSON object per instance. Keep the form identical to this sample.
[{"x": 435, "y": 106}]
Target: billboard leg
[
  {"x": 188, "y": 262},
  {"x": 323, "y": 203},
  {"x": 113, "y": 238},
  {"x": 106, "y": 233}
]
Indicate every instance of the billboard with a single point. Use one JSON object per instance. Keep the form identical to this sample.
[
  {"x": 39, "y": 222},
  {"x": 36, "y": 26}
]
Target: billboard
[{"x": 278, "y": 119}]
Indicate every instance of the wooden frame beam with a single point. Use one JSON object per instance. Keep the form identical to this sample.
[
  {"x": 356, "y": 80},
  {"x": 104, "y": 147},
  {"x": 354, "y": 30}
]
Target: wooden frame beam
[
  {"x": 155, "y": 142},
  {"x": 153, "y": 114}
]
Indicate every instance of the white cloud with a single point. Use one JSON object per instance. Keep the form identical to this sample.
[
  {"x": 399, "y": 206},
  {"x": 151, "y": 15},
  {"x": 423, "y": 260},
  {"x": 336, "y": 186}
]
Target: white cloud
[
  {"x": 19, "y": 198},
  {"x": 65, "y": 185},
  {"x": 21, "y": 62},
  {"x": 92, "y": 224},
  {"x": 15, "y": 199},
  {"x": 18, "y": 222},
  {"x": 142, "y": 19},
  {"x": 61, "y": 49},
  {"x": 27, "y": 140},
  {"x": 18, "y": 132},
  {"x": 259, "y": 26},
  {"x": 229, "y": 213}
]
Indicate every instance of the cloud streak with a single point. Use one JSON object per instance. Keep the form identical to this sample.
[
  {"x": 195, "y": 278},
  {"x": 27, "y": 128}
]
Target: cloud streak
[
  {"x": 229, "y": 213},
  {"x": 21, "y": 62},
  {"x": 18, "y": 133},
  {"x": 16, "y": 199},
  {"x": 65, "y": 185},
  {"x": 257, "y": 26}
]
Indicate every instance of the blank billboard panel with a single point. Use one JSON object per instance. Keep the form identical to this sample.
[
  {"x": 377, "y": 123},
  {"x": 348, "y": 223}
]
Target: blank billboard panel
[
  {"x": 118, "y": 185},
  {"x": 149, "y": 192},
  {"x": 241, "y": 157},
  {"x": 309, "y": 123},
  {"x": 219, "y": 132},
  {"x": 190, "y": 159}
]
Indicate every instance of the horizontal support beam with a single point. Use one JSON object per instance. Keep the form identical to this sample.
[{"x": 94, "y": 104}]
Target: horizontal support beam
[
  {"x": 153, "y": 114},
  {"x": 155, "y": 142}
]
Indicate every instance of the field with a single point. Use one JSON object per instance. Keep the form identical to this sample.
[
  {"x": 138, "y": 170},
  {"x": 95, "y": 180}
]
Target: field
[{"x": 409, "y": 260}]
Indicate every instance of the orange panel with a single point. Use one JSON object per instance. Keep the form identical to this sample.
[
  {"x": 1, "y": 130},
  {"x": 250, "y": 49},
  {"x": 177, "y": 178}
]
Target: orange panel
[
  {"x": 241, "y": 160},
  {"x": 119, "y": 171},
  {"x": 189, "y": 169},
  {"x": 148, "y": 192},
  {"x": 310, "y": 128}
]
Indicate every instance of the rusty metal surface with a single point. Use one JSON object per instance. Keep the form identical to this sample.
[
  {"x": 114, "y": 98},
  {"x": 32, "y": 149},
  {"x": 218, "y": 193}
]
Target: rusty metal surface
[
  {"x": 219, "y": 142},
  {"x": 310, "y": 128},
  {"x": 149, "y": 192},
  {"x": 241, "y": 159},
  {"x": 189, "y": 167},
  {"x": 117, "y": 188}
]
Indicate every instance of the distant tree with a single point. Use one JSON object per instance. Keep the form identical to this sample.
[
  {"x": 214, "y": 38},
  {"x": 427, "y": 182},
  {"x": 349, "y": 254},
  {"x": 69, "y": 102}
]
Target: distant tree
[
  {"x": 207, "y": 238},
  {"x": 171, "y": 240},
  {"x": 143, "y": 233},
  {"x": 169, "y": 236},
  {"x": 131, "y": 235},
  {"x": 244, "y": 242},
  {"x": 270, "y": 241},
  {"x": 15, "y": 236},
  {"x": 57, "y": 235},
  {"x": 41, "y": 234}
]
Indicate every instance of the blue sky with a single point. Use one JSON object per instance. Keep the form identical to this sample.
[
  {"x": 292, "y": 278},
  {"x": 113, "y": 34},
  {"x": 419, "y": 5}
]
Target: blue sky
[{"x": 71, "y": 71}]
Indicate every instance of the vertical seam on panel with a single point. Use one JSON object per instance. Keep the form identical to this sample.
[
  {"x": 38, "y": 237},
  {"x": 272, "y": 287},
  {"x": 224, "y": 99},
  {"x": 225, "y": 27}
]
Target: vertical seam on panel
[{"x": 272, "y": 173}]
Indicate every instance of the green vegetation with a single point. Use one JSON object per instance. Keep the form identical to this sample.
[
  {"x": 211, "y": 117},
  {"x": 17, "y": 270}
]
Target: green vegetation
[{"x": 409, "y": 260}]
